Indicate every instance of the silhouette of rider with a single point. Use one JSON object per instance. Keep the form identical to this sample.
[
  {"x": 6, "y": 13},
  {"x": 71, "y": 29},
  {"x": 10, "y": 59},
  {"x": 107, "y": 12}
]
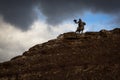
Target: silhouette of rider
[{"x": 80, "y": 27}]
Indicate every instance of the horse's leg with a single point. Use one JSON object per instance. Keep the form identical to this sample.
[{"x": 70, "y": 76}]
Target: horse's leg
[
  {"x": 76, "y": 33},
  {"x": 81, "y": 31},
  {"x": 82, "y": 28}
]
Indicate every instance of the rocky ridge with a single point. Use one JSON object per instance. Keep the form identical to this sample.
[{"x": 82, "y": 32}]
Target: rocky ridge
[{"x": 88, "y": 56}]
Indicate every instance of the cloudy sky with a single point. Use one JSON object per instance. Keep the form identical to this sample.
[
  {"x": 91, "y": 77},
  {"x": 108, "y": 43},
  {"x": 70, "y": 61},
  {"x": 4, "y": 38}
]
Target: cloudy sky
[{"x": 25, "y": 23}]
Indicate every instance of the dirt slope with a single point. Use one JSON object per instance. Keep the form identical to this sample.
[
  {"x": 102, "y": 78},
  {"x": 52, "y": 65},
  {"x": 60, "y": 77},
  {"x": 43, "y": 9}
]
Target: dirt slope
[{"x": 88, "y": 56}]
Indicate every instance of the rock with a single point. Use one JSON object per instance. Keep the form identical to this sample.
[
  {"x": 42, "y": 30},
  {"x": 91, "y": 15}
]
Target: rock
[
  {"x": 116, "y": 31},
  {"x": 89, "y": 56},
  {"x": 69, "y": 35},
  {"x": 105, "y": 33}
]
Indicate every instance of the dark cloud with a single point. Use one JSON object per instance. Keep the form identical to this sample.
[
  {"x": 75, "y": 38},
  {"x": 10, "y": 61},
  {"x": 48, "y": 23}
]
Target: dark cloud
[
  {"x": 58, "y": 10},
  {"x": 20, "y": 12}
]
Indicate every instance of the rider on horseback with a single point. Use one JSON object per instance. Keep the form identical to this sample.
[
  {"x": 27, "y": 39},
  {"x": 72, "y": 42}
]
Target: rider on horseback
[{"x": 80, "y": 27}]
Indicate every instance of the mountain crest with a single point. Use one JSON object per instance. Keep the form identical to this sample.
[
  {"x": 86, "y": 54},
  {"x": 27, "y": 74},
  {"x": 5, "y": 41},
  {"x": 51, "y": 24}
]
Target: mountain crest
[{"x": 71, "y": 56}]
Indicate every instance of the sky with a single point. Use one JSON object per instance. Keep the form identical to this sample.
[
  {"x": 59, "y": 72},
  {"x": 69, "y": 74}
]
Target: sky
[{"x": 25, "y": 23}]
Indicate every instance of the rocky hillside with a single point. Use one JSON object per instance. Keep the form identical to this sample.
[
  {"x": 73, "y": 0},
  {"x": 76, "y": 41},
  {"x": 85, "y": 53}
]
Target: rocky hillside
[{"x": 88, "y": 56}]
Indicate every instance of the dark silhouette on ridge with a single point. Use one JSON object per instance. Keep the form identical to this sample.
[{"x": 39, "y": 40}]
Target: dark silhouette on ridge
[{"x": 80, "y": 27}]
